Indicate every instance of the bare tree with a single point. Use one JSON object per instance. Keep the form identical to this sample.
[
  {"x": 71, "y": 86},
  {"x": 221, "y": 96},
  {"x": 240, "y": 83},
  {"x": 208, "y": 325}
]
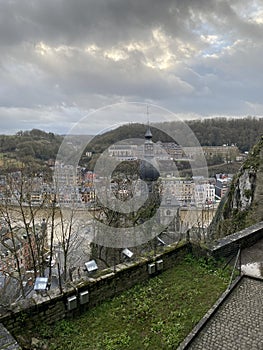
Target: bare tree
[
  {"x": 117, "y": 219},
  {"x": 66, "y": 238},
  {"x": 19, "y": 212},
  {"x": 10, "y": 243}
]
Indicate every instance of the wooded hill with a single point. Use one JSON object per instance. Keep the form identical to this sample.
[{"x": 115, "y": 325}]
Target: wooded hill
[
  {"x": 37, "y": 146},
  {"x": 209, "y": 132},
  {"x": 35, "y": 143},
  {"x": 243, "y": 133},
  {"x": 32, "y": 148}
]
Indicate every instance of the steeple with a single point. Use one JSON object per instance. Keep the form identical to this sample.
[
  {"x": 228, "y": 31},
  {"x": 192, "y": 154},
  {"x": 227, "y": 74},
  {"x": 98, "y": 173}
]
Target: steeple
[
  {"x": 148, "y": 134},
  {"x": 148, "y": 144},
  {"x": 148, "y": 170}
]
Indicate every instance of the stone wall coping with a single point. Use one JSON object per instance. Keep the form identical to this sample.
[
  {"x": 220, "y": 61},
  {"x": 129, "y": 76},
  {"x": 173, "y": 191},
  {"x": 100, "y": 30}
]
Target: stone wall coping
[
  {"x": 236, "y": 237},
  {"x": 53, "y": 296}
]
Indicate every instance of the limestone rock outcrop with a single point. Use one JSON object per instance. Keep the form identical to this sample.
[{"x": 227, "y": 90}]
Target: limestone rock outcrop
[{"x": 243, "y": 204}]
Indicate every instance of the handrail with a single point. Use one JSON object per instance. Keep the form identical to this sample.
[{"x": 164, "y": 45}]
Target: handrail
[{"x": 233, "y": 271}]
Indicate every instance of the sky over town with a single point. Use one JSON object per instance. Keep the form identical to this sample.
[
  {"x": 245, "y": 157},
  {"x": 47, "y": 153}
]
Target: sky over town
[{"x": 62, "y": 60}]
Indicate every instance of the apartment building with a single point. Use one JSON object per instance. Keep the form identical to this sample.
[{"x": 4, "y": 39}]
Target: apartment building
[
  {"x": 16, "y": 248},
  {"x": 223, "y": 182}
]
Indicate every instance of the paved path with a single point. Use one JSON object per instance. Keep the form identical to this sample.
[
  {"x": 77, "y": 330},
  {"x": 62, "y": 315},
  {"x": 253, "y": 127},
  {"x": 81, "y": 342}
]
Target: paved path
[
  {"x": 238, "y": 323},
  {"x": 252, "y": 259}
]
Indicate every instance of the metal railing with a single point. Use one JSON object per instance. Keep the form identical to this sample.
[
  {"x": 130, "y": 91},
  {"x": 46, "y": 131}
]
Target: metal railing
[{"x": 237, "y": 260}]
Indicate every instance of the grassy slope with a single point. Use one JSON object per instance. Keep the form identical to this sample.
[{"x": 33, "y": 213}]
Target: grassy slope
[{"x": 156, "y": 315}]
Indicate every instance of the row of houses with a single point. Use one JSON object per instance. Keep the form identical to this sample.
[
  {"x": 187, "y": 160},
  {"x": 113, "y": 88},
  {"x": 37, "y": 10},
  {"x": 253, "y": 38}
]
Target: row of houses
[
  {"x": 171, "y": 150},
  {"x": 195, "y": 192},
  {"x": 79, "y": 187}
]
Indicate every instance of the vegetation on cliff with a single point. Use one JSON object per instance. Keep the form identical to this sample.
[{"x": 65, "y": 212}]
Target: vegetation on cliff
[{"x": 243, "y": 205}]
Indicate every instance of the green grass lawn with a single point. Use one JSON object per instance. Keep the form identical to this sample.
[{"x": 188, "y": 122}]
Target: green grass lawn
[{"x": 155, "y": 315}]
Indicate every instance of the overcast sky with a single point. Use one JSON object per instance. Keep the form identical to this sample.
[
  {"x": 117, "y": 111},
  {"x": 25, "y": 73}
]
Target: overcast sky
[{"x": 60, "y": 60}]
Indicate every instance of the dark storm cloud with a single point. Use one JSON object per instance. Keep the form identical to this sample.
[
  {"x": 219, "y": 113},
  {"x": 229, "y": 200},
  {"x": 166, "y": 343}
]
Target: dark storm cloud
[
  {"x": 75, "y": 21},
  {"x": 105, "y": 22}
]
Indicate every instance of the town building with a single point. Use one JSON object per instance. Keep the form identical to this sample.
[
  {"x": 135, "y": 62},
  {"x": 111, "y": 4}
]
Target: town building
[
  {"x": 161, "y": 150},
  {"x": 124, "y": 152},
  {"x": 16, "y": 248},
  {"x": 204, "y": 192},
  {"x": 223, "y": 182},
  {"x": 225, "y": 153},
  {"x": 170, "y": 150}
]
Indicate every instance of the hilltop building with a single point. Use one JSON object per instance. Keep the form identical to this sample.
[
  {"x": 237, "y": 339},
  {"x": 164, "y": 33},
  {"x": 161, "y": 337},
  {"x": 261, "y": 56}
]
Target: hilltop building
[
  {"x": 160, "y": 150},
  {"x": 226, "y": 153},
  {"x": 124, "y": 151}
]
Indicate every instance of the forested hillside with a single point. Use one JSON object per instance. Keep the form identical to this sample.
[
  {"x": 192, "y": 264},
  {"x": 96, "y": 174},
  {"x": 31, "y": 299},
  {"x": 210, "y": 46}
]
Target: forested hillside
[
  {"x": 37, "y": 146},
  {"x": 31, "y": 148},
  {"x": 128, "y": 131},
  {"x": 215, "y": 132},
  {"x": 35, "y": 143},
  {"x": 209, "y": 132}
]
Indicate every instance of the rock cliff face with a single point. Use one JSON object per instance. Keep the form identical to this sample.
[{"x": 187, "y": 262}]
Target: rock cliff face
[{"x": 243, "y": 205}]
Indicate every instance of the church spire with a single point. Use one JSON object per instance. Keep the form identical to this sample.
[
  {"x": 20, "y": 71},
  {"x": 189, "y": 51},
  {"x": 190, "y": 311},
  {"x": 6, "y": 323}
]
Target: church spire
[
  {"x": 148, "y": 135},
  {"x": 148, "y": 170}
]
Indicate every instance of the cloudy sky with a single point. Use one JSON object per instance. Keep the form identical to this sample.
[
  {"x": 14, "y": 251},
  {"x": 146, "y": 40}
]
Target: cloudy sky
[{"x": 60, "y": 60}]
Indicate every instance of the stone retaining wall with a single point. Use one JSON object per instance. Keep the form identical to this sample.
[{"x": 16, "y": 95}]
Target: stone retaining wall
[
  {"x": 76, "y": 298},
  {"x": 229, "y": 245},
  {"x": 52, "y": 306}
]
